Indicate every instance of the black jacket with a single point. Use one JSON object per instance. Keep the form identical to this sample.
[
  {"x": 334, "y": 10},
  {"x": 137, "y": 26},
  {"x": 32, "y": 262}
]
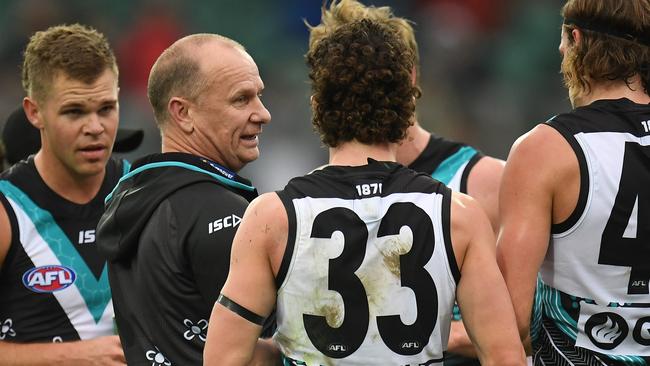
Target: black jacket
[{"x": 167, "y": 233}]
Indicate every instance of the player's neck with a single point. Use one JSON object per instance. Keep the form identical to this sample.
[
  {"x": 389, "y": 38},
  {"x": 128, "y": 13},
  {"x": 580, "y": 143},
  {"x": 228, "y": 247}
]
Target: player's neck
[
  {"x": 73, "y": 187},
  {"x": 615, "y": 90},
  {"x": 354, "y": 153},
  {"x": 414, "y": 143}
]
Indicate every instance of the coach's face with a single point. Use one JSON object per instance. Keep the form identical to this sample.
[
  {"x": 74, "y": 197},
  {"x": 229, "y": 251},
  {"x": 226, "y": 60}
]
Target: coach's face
[{"x": 230, "y": 113}]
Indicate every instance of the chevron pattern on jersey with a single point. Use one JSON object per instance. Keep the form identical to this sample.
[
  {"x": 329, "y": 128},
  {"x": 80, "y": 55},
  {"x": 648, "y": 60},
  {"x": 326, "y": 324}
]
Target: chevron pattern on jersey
[
  {"x": 96, "y": 293},
  {"x": 554, "y": 348}
]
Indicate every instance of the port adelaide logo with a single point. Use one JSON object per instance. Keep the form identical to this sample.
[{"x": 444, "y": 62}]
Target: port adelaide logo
[
  {"x": 606, "y": 330},
  {"x": 48, "y": 279}
]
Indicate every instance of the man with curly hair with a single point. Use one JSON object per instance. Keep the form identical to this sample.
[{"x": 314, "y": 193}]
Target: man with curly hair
[
  {"x": 461, "y": 167},
  {"x": 575, "y": 198},
  {"x": 363, "y": 257}
]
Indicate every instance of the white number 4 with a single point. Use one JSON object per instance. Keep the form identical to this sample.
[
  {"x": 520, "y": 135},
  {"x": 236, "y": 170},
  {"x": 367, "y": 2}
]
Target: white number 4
[{"x": 368, "y": 189}]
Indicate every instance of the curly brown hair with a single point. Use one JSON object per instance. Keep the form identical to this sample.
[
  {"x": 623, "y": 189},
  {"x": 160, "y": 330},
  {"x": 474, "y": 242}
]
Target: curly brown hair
[
  {"x": 345, "y": 11},
  {"x": 80, "y": 52},
  {"x": 361, "y": 85},
  {"x": 612, "y": 47}
]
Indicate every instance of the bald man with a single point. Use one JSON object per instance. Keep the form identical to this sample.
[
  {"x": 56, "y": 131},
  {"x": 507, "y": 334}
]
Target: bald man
[{"x": 169, "y": 224}]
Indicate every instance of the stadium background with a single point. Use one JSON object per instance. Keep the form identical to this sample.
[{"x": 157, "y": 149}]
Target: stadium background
[{"x": 489, "y": 68}]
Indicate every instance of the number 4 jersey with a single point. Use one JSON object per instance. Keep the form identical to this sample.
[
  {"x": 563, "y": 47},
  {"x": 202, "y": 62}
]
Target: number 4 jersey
[
  {"x": 594, "y": 290},
  {"x": 369, "y": 275}
]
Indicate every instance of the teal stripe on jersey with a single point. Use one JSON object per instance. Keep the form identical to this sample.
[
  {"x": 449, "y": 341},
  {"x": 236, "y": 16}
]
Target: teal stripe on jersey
[
  {"x": 551, "y": 304},
  {"x": 288, "y": 361},
  {"x": 448, "y": 168},
  {"x": 126, "y": 167},
  {"x": 178, "y": 164},
  {"x": 536, "y": 316},
  {"x": 552, "y": 308},
  {"x": 96, "y": 293}
]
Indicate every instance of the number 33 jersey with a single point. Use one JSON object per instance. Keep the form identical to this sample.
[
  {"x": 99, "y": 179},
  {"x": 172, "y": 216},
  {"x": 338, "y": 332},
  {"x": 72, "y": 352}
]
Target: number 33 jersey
[
  {"x": 369, "y": 275},
  {"x": 594, "y": 293}
]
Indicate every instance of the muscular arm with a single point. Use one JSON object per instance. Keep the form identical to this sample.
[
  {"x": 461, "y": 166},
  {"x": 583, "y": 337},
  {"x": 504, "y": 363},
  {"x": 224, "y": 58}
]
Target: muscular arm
[
  {"x": 483, "y": 185},
  {"x": 256, "y": 256},
  {"x": 526, "y": 207},
  {"x": 481, "y": 293},
  {"x": 459, "y": 342}
]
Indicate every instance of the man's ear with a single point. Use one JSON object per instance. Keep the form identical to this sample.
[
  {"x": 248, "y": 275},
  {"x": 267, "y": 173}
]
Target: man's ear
[
  {"x": 179, "y": 110},
  {"x": 576, "y": 35},
  {"x": 33, "y": 113}
]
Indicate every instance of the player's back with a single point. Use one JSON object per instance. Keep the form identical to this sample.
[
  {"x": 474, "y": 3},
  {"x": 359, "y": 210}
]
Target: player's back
[
  {"x": 368, "y": 275},
  {"x": 596, "y": 271}
]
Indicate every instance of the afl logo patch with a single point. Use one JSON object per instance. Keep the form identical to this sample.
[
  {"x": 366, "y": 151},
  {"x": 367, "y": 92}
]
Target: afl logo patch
[{"x": 47, "y": 279}]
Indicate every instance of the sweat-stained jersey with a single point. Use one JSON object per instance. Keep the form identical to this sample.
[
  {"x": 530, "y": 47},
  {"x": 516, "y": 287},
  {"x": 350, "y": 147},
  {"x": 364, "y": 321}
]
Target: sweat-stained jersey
[
  {"x": 369, "y": 275},
  {"x": 594, "y": 280},
  {"x": 53, "y": 282}
]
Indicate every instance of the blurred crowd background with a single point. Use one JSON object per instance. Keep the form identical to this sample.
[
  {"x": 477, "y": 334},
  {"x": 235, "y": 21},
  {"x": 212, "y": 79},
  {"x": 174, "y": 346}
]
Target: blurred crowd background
[{"x": 489, "y": 68}]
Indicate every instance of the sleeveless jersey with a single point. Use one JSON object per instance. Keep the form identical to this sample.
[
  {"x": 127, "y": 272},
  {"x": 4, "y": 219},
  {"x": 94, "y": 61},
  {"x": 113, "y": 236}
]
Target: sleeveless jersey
[
  {"x": 53, "y": 282},
  {"x": 450, "y": 162},
  {"x": 595, "y": 303},
  {"x": 447, "y": 161},
  {"x": 369, "y": 275}
]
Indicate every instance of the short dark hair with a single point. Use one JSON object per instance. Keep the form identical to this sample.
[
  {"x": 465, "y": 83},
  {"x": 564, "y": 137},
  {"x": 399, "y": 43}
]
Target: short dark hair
[
  {"x": 361, "y": 84},
  {"x": 612, "y": 47},
  {"x": 80, "y": 52}
]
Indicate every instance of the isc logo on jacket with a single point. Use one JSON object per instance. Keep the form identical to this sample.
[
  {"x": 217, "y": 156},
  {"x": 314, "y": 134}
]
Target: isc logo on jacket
[{"x": 228, "y": 221}]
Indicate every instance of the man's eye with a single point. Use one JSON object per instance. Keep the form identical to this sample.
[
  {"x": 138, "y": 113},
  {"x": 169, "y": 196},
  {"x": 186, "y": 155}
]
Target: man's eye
[
  {"x": 73, "y": 112},
  {"x": 106, "y": 109}
]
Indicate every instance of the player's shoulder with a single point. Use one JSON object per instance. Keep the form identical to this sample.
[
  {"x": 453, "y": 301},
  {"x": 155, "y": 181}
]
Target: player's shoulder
[
  {"x": 467, "y": 214},
  {"x": 534, "y": 145},
  {"x": 19, "y": 169},
  {"x": 542, "y": 160},
  {"x": 464, "y": 209},
  {"x": 484, "y": 176},
  {"x": 267, "y": 206},
  {"x": 266, "y": 219},
  {"x": 489, "y": 163},
  {"x": 468, "y": 219}
]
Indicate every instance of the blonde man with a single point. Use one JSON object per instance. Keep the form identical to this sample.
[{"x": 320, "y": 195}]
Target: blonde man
[{"x": 575, "y": 198}]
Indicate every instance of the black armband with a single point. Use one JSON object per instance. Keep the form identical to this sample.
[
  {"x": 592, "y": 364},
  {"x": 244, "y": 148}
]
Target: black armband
[{"x": 240, "y": 310}]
